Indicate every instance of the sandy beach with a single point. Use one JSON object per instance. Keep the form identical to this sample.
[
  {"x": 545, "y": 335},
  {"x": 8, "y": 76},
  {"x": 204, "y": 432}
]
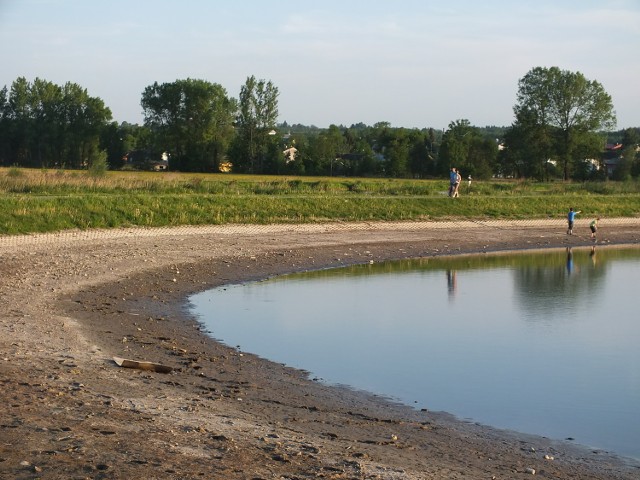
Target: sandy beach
[{"x": 72, "y": 301}]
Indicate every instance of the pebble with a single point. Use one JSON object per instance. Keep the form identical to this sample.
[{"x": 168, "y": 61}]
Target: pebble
[{"x": 531, "y": 471}]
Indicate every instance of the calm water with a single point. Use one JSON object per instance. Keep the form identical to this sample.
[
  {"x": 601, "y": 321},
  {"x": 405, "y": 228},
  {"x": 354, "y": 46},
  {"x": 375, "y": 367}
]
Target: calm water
[{"x": 539, "y": 343}]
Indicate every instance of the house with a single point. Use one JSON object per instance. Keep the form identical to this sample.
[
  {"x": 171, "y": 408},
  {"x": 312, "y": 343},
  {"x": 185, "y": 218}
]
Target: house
[
  {"x": 610, "y": 165},
  {"x": 145, "y": 160},
  {"x": 611, "y": 157}
]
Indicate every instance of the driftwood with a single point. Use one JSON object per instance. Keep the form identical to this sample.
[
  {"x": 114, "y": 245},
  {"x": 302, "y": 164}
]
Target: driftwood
[{"x": 150, "y": 366}]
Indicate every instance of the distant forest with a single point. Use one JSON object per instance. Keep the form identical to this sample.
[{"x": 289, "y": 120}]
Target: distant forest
[{"x": 195, "y": 126}]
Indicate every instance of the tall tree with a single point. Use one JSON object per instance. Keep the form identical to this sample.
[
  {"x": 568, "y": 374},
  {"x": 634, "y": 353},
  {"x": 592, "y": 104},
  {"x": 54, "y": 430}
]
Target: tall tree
[
  {"x": 5, "y": 137},
  {"x": 324, "y": 151},
  {"x": 529, "y": 149},
  {"x": 45, "y": 124},
  {"x": 455, "y": 146},
  {"x": 192, "y": 119},
  {"x": 568, "y": 104},
  {"x": 19, "y": 115},
  {"x": 83, "y": 118},
  {"x": 258, "y": 115},
  {"x": 481, "y": 158},
  {"x": 396, "y": 153}
]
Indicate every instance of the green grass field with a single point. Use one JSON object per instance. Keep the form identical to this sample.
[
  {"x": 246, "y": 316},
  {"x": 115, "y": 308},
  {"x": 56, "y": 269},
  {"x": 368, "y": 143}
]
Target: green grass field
[{"x": 50, "y": 200}]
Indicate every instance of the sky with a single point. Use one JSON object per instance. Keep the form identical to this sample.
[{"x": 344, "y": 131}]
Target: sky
[{"x": 411, "y": 63}]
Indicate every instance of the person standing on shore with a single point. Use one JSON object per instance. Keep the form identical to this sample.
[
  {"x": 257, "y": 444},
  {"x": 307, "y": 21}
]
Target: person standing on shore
[
  {"x": 570, "y": 219},
  {"x": 593, "y": 226}
]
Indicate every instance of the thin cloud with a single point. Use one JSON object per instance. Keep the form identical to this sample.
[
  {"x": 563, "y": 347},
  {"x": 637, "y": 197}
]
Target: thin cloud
[{"x": 414, "y": 63}]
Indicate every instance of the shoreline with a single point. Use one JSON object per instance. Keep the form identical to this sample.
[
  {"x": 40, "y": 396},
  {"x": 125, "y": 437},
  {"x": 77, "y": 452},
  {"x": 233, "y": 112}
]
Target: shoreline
[{"x": 76, "y": 299}]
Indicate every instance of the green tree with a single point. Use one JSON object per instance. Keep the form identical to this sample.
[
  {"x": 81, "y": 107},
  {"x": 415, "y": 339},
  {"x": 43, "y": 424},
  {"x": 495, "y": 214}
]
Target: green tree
[
  {"x": 120, "y": 139},
  {"x": 529, "y": 149},
  {"x": 47, "y": 125},
  {"x": 455, "y": 146},
  {"x": 365, "y": 165},
  {"x": 192, "y": 119},
  {"x": 4, "y": 127},
  {"x": 83, "y": 118},
  {"x": 481, "y": 158},
  {"x": 20, "y": 121},
  {"x": 326, "y": 150},
  {"x": 567, "y": 104},
  {"x": 258, "y": 113},
  {"x": 464, "y": 147},
  {"x": 397, "y": 154},
  {"x": 587, "y": 151}
]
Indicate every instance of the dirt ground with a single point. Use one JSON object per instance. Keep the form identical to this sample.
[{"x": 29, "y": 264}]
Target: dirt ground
[{"x": 72, "y": 301}]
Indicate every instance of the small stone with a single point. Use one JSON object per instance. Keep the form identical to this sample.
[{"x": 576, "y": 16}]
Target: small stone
[
  {"x": 531, "y": 471},
  {"x": 549, "y": 457}
]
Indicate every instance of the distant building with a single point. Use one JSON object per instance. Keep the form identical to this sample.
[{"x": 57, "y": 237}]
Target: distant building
[
  {"x": 611, "y": 157},
  {"x": 610, "y": 165},
  {"x": 145, "y": 160}
]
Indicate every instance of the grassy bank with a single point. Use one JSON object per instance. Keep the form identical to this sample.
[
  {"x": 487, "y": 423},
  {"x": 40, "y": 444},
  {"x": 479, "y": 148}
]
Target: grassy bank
[{"x": 41, "y": 200}]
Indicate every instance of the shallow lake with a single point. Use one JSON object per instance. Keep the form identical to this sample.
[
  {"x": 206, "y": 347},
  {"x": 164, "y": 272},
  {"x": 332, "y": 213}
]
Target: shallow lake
[{"x": 544, "y": 343}]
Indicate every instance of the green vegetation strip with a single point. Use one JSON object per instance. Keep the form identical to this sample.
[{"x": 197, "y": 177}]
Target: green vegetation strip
[
  {"x": 34, "y": 201},
  {"x": 25, "y": 214}
]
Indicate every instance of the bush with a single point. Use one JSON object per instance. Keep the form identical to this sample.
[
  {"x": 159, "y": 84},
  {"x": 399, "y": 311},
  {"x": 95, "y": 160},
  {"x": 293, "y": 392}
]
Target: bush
[
  {"x": 99, "y": 165},
  {"x": 15, "y": 172}
]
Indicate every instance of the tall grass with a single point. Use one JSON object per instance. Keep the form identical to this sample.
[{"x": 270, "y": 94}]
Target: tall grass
[{"x": 46, "y": 200}]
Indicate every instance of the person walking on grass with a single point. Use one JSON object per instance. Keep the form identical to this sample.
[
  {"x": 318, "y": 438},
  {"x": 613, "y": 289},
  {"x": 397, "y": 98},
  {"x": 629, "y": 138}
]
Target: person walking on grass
[
  {"x": 593, "y": 226},
  {"x": 570, "y": 219},
  {"x": 456, "y": 186},
  {"x": 453, "y": 176}
]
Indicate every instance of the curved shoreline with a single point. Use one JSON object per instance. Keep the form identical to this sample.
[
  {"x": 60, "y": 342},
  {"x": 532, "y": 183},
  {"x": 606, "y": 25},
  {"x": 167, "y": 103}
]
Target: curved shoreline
[{"x": 222, "y": 412}]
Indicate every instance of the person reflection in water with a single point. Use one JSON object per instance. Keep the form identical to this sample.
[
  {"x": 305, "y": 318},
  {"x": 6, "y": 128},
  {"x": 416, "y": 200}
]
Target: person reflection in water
[
  {"x": 593, "y": 255},
  {"x": 451, "y": 282},
  {"x": 569, "y": 260}
]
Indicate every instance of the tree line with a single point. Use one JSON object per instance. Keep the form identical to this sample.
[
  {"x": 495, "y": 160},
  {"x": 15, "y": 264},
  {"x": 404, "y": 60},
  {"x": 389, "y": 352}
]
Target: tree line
[{"x": 562, "y": 121}]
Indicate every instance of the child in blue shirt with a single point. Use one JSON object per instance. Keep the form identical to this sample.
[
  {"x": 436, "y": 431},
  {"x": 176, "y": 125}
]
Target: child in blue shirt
[{"x": 570, "y": 218}]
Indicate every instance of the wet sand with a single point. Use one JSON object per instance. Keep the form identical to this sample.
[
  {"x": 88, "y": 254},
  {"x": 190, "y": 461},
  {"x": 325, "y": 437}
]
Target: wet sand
[{"x": 72, "y": 301}]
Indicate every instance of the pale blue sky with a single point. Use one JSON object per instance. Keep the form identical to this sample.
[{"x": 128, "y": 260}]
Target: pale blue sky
[{"x": 412, "y": 63}]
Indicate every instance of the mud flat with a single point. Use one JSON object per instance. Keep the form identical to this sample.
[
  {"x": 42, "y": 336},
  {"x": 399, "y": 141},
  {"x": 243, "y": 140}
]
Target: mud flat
[{"x": 73, "y": 301}]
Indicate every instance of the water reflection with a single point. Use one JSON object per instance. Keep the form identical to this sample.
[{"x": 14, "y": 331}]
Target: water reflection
[
  {"x": 548, "y": 289},
  {"x": 542, "y": 343},
  {"x": 451, "y": 283}
]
